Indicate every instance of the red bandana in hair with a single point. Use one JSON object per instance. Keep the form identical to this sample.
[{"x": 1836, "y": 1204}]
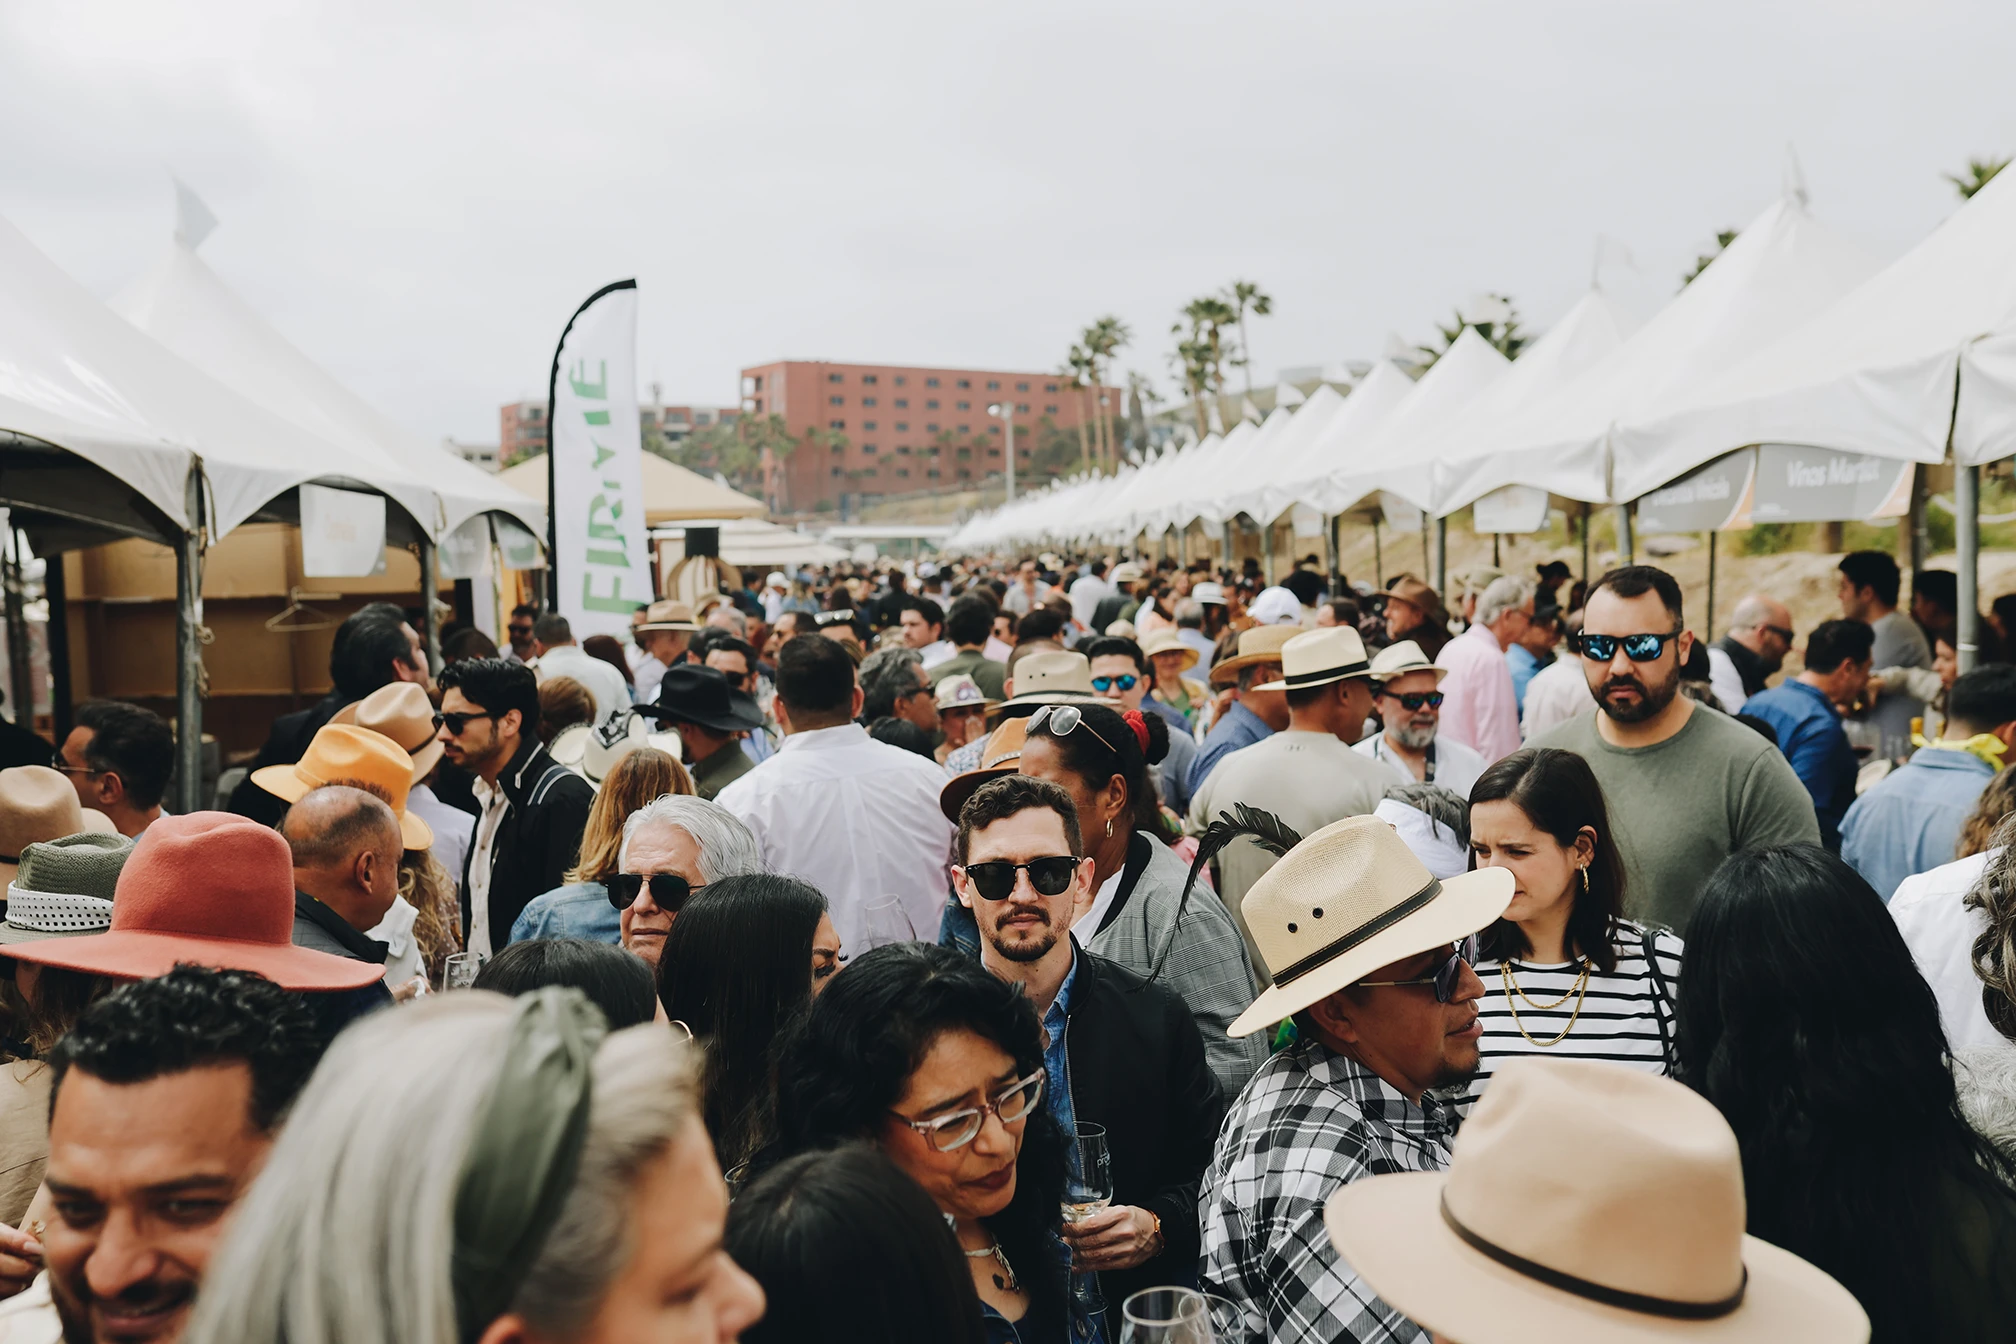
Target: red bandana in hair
[{"x": 1140, "y": 727}]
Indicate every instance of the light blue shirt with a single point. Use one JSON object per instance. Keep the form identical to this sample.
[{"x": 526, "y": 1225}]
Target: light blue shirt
[
  {"x": 1524, "y": 667},
  {"x": 1909, "y": 823},
  {"x": 577, "y": 910},
  {"x": 1056, "y": 1064},
  {"x": 1237, "y": 727}
]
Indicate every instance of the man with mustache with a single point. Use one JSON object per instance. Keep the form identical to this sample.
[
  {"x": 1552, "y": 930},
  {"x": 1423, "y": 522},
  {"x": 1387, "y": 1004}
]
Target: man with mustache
[
  {"x": 1119, "y": 1052},
  {"x": 168, "y": 1097},
  {"x": 1406, "y": 692},
  {"x": 1686, "y": 786}
]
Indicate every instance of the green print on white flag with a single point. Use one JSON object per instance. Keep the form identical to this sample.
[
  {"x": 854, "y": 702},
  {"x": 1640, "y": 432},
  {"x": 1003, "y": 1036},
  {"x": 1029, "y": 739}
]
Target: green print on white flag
[{"x": 603, "y": 569}]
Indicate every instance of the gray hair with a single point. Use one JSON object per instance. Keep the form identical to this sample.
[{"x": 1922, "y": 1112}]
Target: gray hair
[
  {"x": 727, "y": 847},
  {"x": 1751, "y": 612},
  {"x": 729, "y": 617},
  {"x": 1450, "y": 808},
  {"x": 1506, "y": 594},
  {"x": 1190, "y": 614},
  {"x": 346, "y": 1237}
]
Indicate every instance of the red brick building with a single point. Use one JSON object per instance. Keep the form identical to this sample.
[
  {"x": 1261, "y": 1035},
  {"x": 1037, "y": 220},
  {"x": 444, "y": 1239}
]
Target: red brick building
[
  {"x": 522, "y": 427},
  {"x": 869, "y": 430}
]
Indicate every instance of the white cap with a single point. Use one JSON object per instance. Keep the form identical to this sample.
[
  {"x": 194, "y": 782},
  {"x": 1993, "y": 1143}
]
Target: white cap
[
  {"x": 776, "y": 580},
  {"x": 1211, "y": 593}
]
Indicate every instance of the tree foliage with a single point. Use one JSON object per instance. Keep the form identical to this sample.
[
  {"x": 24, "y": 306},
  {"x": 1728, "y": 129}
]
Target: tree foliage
[
  {"x": 1980, "y": 172},
  {"x": 1723, "y": 237}
]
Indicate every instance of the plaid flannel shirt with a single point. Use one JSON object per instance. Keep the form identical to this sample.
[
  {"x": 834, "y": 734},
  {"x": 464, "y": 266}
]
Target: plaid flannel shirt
[{"x": 1310, "y": 1121}]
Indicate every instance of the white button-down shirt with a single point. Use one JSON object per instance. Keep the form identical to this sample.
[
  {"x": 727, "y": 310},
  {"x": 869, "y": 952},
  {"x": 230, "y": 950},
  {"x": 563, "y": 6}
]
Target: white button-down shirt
[
  {"x": 604, "y": 682},
  {"x": 495, "y": 803},
  {"x": 859, "y": 820},
  {"x": 1940, "y": 931}
]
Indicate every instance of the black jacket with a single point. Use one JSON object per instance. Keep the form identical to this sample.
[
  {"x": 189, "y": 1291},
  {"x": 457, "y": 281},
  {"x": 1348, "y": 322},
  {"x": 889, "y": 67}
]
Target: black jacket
[
  {"x": 285, "y": 744},
  {"x": 538, "y": 838},
  {"x": 1138, "y": 1068}
]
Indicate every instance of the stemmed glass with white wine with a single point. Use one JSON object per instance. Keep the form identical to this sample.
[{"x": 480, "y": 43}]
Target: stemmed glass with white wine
[
  {"x": 1166, "y": 1316},
  {"x": 1088, "y": 1189}
]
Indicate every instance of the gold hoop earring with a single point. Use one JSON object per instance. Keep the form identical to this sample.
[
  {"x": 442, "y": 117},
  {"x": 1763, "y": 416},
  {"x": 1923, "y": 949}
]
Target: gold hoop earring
[
  {"x": 1109, "y": 828},
  {"x": 1585, "y": 877}
]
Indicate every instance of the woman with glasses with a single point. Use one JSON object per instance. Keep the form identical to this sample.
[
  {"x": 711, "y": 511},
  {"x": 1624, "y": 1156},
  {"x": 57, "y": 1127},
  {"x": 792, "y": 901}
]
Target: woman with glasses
[
  {"x": 740, "y": 966},
  {"x": 581, "y": 908},
  {"x": 1139, "y": 916},
  {"x": 926, "y": 1054},
  {"x": 1565, "y": 974}
]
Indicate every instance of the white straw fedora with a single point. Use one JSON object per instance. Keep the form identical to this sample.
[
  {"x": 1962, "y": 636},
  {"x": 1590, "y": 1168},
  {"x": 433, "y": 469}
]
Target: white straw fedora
[
  {"x": 1585, "y": 1203},
  {"x": 1346, "y": 901},
  {"x": 1259, "y": 644},
  {"x": 1317, "y": 657},
  {"x": 1397, "y": 660},
  {"x": 1050, "y": 679}
]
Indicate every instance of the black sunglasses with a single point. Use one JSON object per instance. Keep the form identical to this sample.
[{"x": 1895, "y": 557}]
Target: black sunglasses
[
  {"x": 1445, "y": 976},
  {"x": 1638, "y": 648},
  {"x": 1414, "y": 701},
  {"x": 456, "y": 722},
  {"x": 995, "y": 880},
  {"x": 669, "y": 891}
]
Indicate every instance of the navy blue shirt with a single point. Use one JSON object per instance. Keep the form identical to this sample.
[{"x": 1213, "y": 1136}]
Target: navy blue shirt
[{"x": 1810, "y": 734}]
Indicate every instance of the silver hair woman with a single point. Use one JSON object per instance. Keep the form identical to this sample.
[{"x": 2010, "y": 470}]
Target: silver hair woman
[
  {"x": 727, "y": 847},
  {"x": 485, "y": 1169}
]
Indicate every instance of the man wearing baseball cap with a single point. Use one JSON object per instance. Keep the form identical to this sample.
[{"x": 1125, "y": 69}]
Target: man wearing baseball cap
[{"x": 1364, "y": 947}]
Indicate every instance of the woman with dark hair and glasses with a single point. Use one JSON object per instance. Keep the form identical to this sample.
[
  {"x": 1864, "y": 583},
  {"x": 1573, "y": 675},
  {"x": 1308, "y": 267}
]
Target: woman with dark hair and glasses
[
  {"x": 1139, "y": 916},
  {"x": 740, "y": 966},
  {"x": 1809, "y": 1026},
  {"x": 1565, "y": 974},
  {"x": 930, "y": 1057},
  {"x": 848, "y": 1227}
]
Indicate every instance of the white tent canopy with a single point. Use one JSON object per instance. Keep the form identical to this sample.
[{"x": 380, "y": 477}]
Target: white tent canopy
[
  {"x": 1872, "y": 373},
  {"x": 1237, "y": 460},
  {"x": 183, "y": 304},
  {"x": 1329, "y": 445},
  {"x": 1782, "y": 269},
  {"x": 1244, "y": 488},
  {"x": 1386, "y": 459}
]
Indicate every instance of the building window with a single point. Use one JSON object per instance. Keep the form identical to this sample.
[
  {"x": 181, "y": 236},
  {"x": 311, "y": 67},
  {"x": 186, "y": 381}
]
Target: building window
[
  {"x": 839, "y": 448},
  {"x": 867, "y": 424},
  {"x": 836, "y": 401},
  {"x": 965, "y": 382},
  {"x": 703, "y": 417},
  {"x": 902, "y": 403},
  {"x": 993, "y": 384},
  {"x": 965, "y": 475},
  {"x": 903, "y": 448},
  {"x": 933, "y": 473},
  {"x": 931, "y": 451},
  {"x": 1049, "y": 387},
  {"x": 869, "y": 472},
  {"x": 902, "y": 471},
  {"x": 964, "y": 430},
  {"x": 868, "y": 378},
  {"x": 833, "y": 377},
  {"x": 1022, "y": 387},
  {"x": 902, "y": 426},
  {"x": 931, "y": 405},
  {"x": 930, "y": 382},
  {"x": 1021, "y": 408},
  {"x": 993, "y": 429},
  {"x": 993, "y": 452},
  {"x": 965, "y": 405},
  {"x": 836, "y": 471},
  {"x": 867, "y": 447},
  {"x": 867, "y": 401},
  {"x": 930, "y": 429},
  {"x": 964, "y": 454},
  {"x": 901, "y": 380},
  {"x": 1049, "y": 410},
  {"x": 836, "y": 424}
]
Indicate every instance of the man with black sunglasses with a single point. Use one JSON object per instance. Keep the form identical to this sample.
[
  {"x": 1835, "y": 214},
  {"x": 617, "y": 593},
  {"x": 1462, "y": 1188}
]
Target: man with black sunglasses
[
  {"x": 1407, "y": 694},
  {"x": 672, "y": 847},
  {"x": 1742, "y": 662},
  {"x": 1686, "y": 786},
  {"x": 1119, "y": 1052}
]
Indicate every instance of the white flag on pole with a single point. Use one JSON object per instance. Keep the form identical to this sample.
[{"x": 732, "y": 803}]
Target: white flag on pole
[{"x": 602, "y": 569}]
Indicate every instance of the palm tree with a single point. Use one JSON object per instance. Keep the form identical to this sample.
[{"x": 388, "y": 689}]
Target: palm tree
[
  {"x": 1496, "y": 319},
  {"x": 1247, "y": 297},
  {"x": 1077, "y": 365},
  {"x": 1103, "y": 340},
  {"x": 1723, "y": 238},
  {"x": 1209, "y": 317},
  {"x": 1192, "y": 362},
  {"x": 1980, "y": 172}
]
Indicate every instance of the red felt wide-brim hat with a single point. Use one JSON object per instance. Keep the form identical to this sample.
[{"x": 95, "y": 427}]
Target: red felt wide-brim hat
[{"x": 211, "y": 889}]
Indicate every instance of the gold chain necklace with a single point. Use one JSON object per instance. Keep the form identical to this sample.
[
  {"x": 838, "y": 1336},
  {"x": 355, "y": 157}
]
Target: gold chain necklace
[{"x": 1513, "y": 993}]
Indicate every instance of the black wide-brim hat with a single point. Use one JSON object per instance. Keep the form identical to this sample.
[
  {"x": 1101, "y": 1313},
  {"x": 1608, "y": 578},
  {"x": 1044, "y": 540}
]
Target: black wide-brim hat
[{"x": 690, "y": 693}]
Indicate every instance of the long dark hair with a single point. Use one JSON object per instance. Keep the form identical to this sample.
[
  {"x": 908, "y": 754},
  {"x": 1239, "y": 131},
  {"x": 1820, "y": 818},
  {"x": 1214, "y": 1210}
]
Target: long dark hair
[
  {"x": 845, "y": 1067},
  {"x": 737, "y": 970},
  {"x": 1112, "y": 748},
  {"x": 1559, "y": 794},
  {"x": 1807, "y": 1024},
  {"x": 616, "y": 981},
  {"x": 850, "y": 1250}
]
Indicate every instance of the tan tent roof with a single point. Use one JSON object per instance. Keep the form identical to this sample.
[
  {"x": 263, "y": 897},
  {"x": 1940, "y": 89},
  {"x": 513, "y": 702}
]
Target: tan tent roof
[{"x": 672, "y": 494}]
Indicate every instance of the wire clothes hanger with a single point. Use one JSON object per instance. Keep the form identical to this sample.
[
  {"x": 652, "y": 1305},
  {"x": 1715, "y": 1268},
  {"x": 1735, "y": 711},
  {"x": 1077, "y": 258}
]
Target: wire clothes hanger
[{"x": 297, "y": 615}]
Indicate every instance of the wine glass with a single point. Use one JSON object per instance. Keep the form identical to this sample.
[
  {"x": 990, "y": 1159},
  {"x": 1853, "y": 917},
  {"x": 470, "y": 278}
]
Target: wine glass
[
  {"x": 883, "y": 921},
  {"x": 459, "y": 971},
  {"x": 1228, "y": 1321},
  {"x": 1165, "y": 1316},
  {"x": 1088, "y": 1188}
]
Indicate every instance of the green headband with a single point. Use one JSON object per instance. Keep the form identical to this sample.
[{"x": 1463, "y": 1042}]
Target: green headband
[{"x": 522, "y": 1160}]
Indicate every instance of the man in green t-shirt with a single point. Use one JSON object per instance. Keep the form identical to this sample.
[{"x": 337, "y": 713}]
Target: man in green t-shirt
[{"x": 1686, "y": 785}]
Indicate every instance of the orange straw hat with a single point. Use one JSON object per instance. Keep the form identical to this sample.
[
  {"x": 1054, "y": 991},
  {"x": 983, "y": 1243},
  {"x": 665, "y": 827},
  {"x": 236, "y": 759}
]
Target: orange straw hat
[{"x": 342, "y": 754}]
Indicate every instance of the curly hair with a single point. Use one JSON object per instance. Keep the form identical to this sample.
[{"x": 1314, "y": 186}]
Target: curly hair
[
  {"x": 1980, "y": 831},
  {"x": 427, "y": 886},
  {"x": 1994, "y": 895}
]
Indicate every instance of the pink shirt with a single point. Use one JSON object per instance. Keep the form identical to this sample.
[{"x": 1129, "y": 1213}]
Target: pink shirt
[{"x": 1479, "y": 709}]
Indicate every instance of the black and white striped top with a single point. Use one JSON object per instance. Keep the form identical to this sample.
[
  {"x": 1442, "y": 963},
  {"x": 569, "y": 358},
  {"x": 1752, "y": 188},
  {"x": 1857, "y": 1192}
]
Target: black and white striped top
[{"x": 1621, "y": 1020}]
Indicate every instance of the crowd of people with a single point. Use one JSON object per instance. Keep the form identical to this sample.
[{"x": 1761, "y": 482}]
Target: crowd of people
[{"x": 1010, "y": 950}]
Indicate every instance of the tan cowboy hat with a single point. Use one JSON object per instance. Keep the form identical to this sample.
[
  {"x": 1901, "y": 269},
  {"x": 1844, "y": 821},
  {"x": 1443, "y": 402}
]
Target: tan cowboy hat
[
  {"x": 1346, "y": 901},
  {"x": 1050, "y": 679},
  {"x": 1261, "y": 644},
  {"x": 1127, "y": 572},
  {"x": 1585, "y": 1203},
  {"x": 1165, "y": 641},
  {"x": 668, "y": 616},
  {"x": 1319, "y": 657},
  {"x": 1001, "y": 756},
  {"x": 342, "y": 753},
  {"x": 402, "y": 712},
  {"x": 1397, "y": 660},
  {"x": 38, "y": 804},
  {"x": 1418, "y": 595}
]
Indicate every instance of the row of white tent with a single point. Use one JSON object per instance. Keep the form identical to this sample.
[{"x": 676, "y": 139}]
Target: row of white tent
[
  {"x": 1792, "y": 338},
  {"x": 177, "y": 414}
]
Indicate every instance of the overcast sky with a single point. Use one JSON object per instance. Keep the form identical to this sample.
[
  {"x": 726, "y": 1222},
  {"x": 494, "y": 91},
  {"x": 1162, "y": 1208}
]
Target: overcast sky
[{"x": 419, "y": 193}]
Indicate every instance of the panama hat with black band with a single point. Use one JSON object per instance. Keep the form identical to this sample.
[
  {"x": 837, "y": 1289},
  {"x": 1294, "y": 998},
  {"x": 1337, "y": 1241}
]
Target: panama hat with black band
[
  {"x": 1261, "y": 644},
  {"x": 1318, "y": 657}
]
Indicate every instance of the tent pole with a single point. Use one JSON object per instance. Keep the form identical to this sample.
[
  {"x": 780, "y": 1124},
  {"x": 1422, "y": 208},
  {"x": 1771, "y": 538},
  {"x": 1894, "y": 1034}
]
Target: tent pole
[
  {"x": 1266, "y": 553},
  {"x": 1336, "y": 556},
  {"x": 20, "y": 657},
  {"x": 1427, "y": 555},
  {"x": 1497, "y": 561},
  {"x": 1226, "y": 534},
  {"x": 1585, "y": 546},
  {"x": 1967, "y": 521},
  {"x": 1916, "y": 520},
  {"x": 1442, "y": 560},
  {"x": 1708, "y": 631},
  {"x": 189, "y": 648},
  {"x": 1627, "y": 548},
  {"x": 1378, "y": 560},
  {"x": 55, "y": 588},
  {"x": 430, "y": 588}
]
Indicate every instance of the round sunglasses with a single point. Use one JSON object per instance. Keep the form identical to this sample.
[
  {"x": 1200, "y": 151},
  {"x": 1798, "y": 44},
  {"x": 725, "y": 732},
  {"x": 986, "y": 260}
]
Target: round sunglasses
[
  {"x": 669, "y": 891},
  {"x": 995, "y": 880}
]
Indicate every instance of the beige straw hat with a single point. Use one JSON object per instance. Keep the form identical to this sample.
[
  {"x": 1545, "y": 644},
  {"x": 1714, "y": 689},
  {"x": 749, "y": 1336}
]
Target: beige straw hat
[
  {"x": 1050, "y": 679},
  {"x": 1397, "y": 660},
  {"x": 1317, "y": 657},
  {"x": 1167, "y": 641},
  {"x": 1261, "y": 644},
  {"x": 402, "y": 712},
  {"x": 37, "y": 804},
  {"x": 1346, "y": 901},
  {"x": 1586, "y": 1203}
]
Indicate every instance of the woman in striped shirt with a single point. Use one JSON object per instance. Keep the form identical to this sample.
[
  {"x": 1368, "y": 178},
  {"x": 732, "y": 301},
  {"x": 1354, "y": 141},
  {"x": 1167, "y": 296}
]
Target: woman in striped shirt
[{"x": 1565, "y": 974}]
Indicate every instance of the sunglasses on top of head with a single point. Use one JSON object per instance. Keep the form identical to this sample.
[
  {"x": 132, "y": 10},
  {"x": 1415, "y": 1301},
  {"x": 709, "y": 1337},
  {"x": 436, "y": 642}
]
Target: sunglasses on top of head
[
  {"x": 1445, "y": 975},
  {"x": 669, "y": 891},
  {"x": 1638, "y": 648},
  {"x": 995, "y": 880}
]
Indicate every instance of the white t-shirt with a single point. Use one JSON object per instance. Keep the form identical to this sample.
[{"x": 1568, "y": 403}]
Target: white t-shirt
[
  {"x": 1456, "y": 766},
  {"x": 1940, "y": 931}
]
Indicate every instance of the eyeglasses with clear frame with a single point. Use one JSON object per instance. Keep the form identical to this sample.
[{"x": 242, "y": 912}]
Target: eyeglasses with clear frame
[{"x": 956, "y": 1129}]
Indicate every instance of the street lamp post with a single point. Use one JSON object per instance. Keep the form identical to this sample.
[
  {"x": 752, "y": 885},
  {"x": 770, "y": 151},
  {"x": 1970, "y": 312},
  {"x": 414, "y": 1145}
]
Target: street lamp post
[{"x": 1006, "y": 411}]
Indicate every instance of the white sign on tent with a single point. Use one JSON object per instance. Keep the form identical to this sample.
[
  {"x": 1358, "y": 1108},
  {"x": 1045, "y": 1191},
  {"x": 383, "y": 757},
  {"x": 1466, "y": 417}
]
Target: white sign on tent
[
  {"x": 602, "y": 569},
  {"x": 342, "y": 533}
]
